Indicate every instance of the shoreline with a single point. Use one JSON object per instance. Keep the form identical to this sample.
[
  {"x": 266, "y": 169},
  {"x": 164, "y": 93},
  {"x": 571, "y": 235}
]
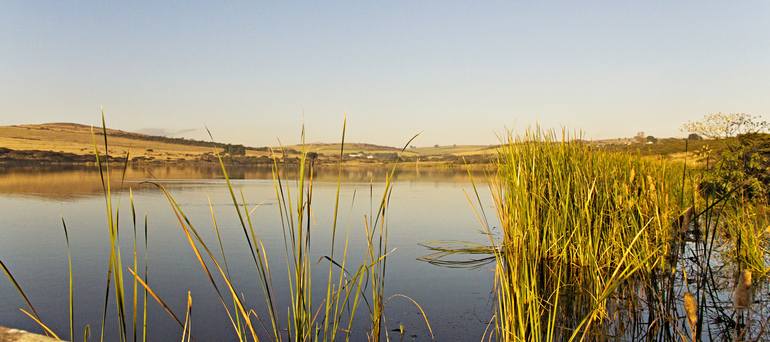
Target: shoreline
[
  {"x": 9, "y": 157},
  {"x": 18, "y": 335}
]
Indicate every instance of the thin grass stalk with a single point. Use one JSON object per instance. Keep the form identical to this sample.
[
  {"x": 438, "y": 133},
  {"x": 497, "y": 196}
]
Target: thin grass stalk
[
  {"x": 136, "y": 267},
  {"x": 114, "y": 260},
  {"x": 192, "y": 236},
  {"x": 329, "y": 283},
  {"x": 157, "y": 298},
  {"x": 37, "y": 320},
  {"x": 259, "y": 262},
  {"x": 187, "y": 329},
  {"x": 71, "y": 282},
  {"x": 32, "y": 313},
  {"x": 146, "y": 280},
  {"x": 239, "y": 327}
]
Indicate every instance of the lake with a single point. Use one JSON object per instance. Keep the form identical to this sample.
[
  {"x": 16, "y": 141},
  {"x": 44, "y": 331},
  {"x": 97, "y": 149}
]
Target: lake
[{"x": 427, "y": 204}]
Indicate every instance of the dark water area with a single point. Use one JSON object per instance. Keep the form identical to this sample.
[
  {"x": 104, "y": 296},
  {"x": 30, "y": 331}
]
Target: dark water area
[{"x": 427, "y": 204}]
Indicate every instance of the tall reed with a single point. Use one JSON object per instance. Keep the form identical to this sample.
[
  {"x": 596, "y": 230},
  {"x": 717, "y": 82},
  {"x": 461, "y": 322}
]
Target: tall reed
[{"x": 575, "y": 224}]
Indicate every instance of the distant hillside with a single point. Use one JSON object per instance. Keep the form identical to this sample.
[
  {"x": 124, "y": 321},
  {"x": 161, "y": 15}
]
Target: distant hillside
[
  {"x": 78, "y": 139},
  {"x": 70, "y": 142}
]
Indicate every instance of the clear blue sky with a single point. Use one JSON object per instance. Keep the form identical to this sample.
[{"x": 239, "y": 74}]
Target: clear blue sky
[{"x": 459, "y": 71}]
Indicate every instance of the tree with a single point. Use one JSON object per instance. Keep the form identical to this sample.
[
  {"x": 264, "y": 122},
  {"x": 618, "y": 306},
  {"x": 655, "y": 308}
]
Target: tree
[
  {"x": 743, "y": 167},
  {"x": 235, "y": 150},
  {"x": 724, "y": 125},
  {"x": 694, "y": 136},
  {"x": 639, "y": 137},
  {"x": 651, "y": 139}
]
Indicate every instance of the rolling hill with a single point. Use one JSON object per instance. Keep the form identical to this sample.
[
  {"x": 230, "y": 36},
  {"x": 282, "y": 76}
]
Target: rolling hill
[
  {"x": 74, "y": 142},
  {"x": 77, "y": 139}
]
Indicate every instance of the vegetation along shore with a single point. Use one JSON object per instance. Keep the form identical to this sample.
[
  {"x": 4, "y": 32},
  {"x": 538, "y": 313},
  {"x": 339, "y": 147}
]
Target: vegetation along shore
[{"x": 586, "y": 243}]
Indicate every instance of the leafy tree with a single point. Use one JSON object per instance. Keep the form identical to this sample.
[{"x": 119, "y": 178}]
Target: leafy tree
[
  {"x": 724, "y": 125},
  {"x": 743, "y": 169}
]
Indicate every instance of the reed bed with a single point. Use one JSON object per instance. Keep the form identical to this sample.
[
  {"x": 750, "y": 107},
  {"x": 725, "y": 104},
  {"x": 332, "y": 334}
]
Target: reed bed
[
  {"x": 594, "y": 245},
  {"x": 747, "y": 226},
  {"x": 576, "y": 225},
  {"x": 576, "y": 221}
]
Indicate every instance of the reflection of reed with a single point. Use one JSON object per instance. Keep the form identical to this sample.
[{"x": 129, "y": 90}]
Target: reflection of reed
[{"x": 64, "y": 181}]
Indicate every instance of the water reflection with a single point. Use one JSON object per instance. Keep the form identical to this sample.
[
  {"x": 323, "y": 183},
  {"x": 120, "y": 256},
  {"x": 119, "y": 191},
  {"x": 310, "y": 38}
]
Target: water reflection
[
  {"x": 62, "y": 182},
  {"x": 427, "y": 204}
]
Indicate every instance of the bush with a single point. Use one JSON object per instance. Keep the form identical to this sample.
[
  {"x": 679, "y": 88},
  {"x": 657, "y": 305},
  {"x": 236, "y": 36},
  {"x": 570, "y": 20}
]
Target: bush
[
  {"x": 235, "y": 150},
  {"x": 743, "y": 168},
  {"x": 694, "y": 136}
]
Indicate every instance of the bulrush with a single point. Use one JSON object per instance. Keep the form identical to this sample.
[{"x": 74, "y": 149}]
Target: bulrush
[
  {"x": 742, "y": 293},
  {"x": 685, "y": 219},
  {"x": 691, "y": 308}
]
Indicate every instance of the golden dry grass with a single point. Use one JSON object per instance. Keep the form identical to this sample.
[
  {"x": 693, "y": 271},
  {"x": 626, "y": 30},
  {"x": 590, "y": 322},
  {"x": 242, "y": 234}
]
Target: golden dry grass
[{"x": 77, "y": 139}]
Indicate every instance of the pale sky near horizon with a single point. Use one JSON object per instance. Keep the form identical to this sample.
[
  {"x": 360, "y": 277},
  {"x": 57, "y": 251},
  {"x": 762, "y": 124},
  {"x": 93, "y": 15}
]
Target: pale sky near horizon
[{"x": 459, "y": 71}]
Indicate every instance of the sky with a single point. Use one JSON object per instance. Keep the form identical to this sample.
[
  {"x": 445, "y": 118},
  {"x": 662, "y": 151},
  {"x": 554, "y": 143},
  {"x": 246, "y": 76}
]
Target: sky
[{"x": 460, "y": 72}]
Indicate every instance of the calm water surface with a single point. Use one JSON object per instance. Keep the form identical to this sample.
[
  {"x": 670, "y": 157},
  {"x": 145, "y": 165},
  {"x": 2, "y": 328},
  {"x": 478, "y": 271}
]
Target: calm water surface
[{"x": 426, "y": 205}]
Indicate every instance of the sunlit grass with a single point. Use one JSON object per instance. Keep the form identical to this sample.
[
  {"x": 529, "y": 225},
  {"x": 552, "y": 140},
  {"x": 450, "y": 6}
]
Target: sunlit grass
[
  {"x": 575, "y": 225},
  {"x": 747, "y": 225}
]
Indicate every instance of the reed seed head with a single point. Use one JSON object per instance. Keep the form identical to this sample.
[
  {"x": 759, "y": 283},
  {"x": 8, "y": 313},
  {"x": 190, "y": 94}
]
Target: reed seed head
[
  {"x": 742, "y": 292},
  {"x": 691, "y": 309}
]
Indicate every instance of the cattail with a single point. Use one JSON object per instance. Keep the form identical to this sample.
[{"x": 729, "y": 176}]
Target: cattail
[
  {"x": 742, "y": 293},
  {"x": 651, "y": 184},
  {"x": 685, "y": 219},
  {"x": 691, "y": 309}
]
